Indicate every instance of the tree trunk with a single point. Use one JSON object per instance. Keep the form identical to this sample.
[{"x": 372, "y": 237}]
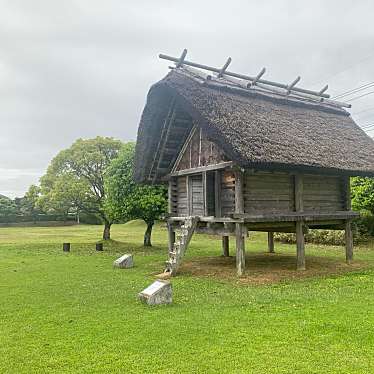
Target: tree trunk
[
  {"x": 148, "y": 234},
  {"x": 106, "y": 233}
]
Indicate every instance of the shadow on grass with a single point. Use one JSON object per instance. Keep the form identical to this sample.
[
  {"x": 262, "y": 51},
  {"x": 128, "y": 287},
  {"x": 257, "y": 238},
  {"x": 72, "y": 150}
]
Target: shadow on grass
[{"x": 266, "y": 268}]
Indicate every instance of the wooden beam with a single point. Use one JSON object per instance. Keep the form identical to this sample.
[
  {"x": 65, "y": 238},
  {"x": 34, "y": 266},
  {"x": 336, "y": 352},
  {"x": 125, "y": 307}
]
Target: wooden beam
[
  {"x": 205, "y": 195},
  {"x": 239, "y": 232},
  {"x": 348, "y": 204},
  {"x": 299, "y": 192},
  {"x": 200, "y": 169},
  {"x": 189, "y": 195},
  {"x": 242, "y": 76},
  {"x": 170, "y": 196},
  {"x": 225, "y": 246},
  {"x": 295, "y": 216},
  {"x": 240, "y": 249},
  {"x": 299, "y": 207},
  {"x": 300, "y": 246},
  {"x": 217, "y": 193},
  {"x": 271, "y": 242},
  {"x": 171, "y": 236},
  {"x": 348, "y": 242},
  {"x": 183, "y": 150}
]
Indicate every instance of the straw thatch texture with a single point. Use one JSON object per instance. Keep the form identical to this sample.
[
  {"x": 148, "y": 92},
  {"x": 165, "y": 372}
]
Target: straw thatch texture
[{"x": 257, "y": 130}]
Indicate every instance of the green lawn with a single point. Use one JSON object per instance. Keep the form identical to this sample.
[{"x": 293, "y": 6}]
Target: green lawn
[{"x": 73, "y": 313}]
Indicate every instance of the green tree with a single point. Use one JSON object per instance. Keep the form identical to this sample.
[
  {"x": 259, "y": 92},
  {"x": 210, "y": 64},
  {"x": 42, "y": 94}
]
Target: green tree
[
  {"x": 75, "y": 179},
  {"x": 29, "y": 203},
  {"x": 127, "y": 200},
  {"x": 362, "y": 190},
  {"x": 7, "y": 207}
]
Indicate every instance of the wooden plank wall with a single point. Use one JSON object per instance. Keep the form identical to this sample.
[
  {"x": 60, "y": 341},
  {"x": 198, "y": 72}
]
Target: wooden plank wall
[
  {"x": 323, "y": 193},
  {"x": 227, "y": 193},
  {"x": 181, "y": 206},
  {"x": 266, "y": 192},
  {"x": 199, "y": 152},
  {"x": 197, "y": 195}
]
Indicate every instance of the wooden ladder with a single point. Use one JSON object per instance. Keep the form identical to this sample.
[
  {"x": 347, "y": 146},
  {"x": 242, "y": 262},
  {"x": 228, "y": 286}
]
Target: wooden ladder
[{"x": 182, "y": 239}]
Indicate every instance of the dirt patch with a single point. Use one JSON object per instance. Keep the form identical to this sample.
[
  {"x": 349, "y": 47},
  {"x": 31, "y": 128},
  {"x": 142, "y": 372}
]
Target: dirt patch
[{"x": 266, "y": 268}]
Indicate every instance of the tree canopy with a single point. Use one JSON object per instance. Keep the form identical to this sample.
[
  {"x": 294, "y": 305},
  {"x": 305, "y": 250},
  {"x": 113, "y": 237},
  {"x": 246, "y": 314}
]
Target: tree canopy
[
  {"x": 7, "y": 207},
  {"x": 75, "y": 179},
  {"x": 362, "y": 190},
  {"x": 127, "y": 200}
]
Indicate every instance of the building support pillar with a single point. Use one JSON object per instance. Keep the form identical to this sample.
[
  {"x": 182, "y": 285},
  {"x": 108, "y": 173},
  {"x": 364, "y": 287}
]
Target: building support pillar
[
  {"x": 300, "y": 246},
  {"x": 239, "y": 227},
  {"x": 225, "y": 246},
  {"x": 299, "y": 207},
  {"x": 240, "y": 249},
  {"x": 271, "y": 242},
  {"x": 348, "y": 242},
  {"x": 171, "y": 236}
]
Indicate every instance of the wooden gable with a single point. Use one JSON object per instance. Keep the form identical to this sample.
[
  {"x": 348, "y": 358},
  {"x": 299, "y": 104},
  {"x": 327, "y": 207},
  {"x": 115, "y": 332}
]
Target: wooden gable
[{"x": 199, "y": 151}]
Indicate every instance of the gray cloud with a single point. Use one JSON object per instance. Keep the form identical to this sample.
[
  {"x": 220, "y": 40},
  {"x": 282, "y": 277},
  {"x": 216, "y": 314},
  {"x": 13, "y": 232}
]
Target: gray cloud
[{"x": 72, "y": 69}]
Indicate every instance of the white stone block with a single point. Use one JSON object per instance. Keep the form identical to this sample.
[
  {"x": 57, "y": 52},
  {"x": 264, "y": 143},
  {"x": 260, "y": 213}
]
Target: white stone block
[
  {"x": 125, "y": 261},
  {"x": 159, "y": 292}
]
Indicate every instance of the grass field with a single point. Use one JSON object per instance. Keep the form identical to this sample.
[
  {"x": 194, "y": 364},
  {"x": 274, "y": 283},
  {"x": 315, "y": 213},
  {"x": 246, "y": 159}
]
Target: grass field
[{"x": 73, "y": 313}]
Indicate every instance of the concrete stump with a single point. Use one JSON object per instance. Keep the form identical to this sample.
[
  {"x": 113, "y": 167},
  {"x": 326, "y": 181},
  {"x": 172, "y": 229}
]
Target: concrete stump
[
  {"x": 159, "y": 292},
  {"x": 125, "y": 261}
]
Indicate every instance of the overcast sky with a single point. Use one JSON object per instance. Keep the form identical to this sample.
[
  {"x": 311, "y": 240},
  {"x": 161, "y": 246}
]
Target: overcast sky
[{"x": 71, "y": 69}]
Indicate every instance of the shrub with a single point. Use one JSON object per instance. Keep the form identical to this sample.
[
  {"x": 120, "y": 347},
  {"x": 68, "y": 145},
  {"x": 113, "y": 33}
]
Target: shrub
[
  {"x": 13, "y": 218},
  {"x": 327, "y": 237}
]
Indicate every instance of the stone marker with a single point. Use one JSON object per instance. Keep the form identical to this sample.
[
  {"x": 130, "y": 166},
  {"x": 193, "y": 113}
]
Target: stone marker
[
  {"x": 159, "y": 292},
  {"x": 125, "y": 261},
  {"x": 66, "y": 247}
]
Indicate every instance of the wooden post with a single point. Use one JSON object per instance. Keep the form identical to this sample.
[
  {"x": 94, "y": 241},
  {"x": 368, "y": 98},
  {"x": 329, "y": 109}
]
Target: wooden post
[
  {"x": 299, "y": 190},
  {"x": 189, "y": 195},
  {"x": 205, "y": 195},
  {"x": 66, "y": 247},
  {"x": 348, "y": 223},
  {"x": 225, "y": 246},
  {"x": 300, "y": 246},
  {"x": 217, "y": 193},
  {"x": 348, "y": 242},
  {"x": 299, "y": 207},
  {"x": 170, "y": 196},
  {"x": 270, "y": 242},
  {"x": 239, "y": 227},
  {"x": 348, "y": 205},
  {"x": 171, "y": 236},
  {"x": 240, "y": 249},
  {"x": 239, "y": 201}
]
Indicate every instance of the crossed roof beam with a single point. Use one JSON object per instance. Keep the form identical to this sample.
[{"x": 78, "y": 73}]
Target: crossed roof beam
[{"x": 249, "y": 82}]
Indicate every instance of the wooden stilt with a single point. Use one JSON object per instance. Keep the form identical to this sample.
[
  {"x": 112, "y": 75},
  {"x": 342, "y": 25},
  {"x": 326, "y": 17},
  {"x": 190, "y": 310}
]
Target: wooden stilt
[
  {"x": 271, "y": 242},
  {"x": 240, "y": 249},
  {"x": 239, "y": 227},
  {"x": 225, "y": 246},
  {"x": 171, "y": 235},
  {"x": 348, "y": 242},
  {"x": 300, "y": 245}
]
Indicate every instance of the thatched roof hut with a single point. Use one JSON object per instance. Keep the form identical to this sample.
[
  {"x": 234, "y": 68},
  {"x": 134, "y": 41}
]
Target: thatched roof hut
[{"x": 247, "y": 158}]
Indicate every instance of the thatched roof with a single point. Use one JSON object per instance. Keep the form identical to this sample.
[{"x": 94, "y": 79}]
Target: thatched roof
[{"x": 256, "y": 129}]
